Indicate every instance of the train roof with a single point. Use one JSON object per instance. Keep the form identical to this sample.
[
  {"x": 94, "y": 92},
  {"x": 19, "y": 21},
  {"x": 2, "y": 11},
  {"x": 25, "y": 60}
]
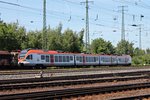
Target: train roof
[{"x": 40, "y": 51}]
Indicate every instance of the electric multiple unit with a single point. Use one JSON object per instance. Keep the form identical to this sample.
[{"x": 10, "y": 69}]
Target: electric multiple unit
[{"x": 41, "y": 58}]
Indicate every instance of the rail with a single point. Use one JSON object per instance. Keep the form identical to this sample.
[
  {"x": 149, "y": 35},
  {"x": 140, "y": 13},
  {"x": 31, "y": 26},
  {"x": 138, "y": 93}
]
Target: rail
[
  {"x": 73, "y": 92},
  {"x": 67, "y": 82},
  {"x": 29, "y": 80}
]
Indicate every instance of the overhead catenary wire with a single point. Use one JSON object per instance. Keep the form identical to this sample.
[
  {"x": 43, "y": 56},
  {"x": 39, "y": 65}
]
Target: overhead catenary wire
[{"x": 66, "y": 16}]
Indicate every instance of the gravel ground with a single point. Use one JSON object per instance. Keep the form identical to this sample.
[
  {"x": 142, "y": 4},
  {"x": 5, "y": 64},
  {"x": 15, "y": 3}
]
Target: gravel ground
[
  {"x": 72, "y": 86},
  {"x": 21, "y": 76},
  {"x": 109, "y": 96}
]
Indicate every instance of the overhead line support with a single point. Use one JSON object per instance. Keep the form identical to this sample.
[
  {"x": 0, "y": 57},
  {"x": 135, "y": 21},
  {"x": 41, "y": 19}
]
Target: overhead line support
[{"x": 87, "y": 37}]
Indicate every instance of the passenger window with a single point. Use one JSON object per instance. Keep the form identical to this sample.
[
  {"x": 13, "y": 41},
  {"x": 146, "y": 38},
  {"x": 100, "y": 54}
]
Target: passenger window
[
  {"x": 56, "y": 58},
  {"x": 42, "y": 57},
  {"x": 77, "y": 58},
  {"x": 95, "y": 59},
  {"x": 60, "y": 58},
  {"x": 81, "y": 60},
  {"x": 86, "y": 59},
  {"x": 71, "y": 58},
  {"x": 47, "y": 58},
  {"x": 64, "y": 60}
]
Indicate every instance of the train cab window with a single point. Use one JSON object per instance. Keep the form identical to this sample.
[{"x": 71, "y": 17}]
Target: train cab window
[
  {"x": 42, "y": 57},
  {"x": 29, "y": 57},
  {"x": 47, "y": 58}
]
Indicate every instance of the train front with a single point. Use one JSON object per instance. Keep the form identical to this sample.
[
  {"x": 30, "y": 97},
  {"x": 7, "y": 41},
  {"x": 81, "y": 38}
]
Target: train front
[{"x": 21, "y": 57}]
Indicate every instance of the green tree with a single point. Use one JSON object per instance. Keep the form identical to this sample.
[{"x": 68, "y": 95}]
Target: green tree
[
  {"x": 54, "y": 38},
  {"x": 148, "y": 51},
  {"x": 138, "y": 52},
  {"x": 33, "y": 40},
  {"x": 100, "y": 46},
  {"x": 80, "y": 40},
  {"x": 11, "y": 36},
  {"x": 70, "y": 41},
  {"x": 124, "y": 47}
]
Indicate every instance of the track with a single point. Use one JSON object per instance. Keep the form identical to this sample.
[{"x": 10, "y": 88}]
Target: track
[
  {"x": 76, "y": 77},
  {"x": 73, "y": 92},
  {"x": 7, "y": 85},
  {"x": 68, "y": 82},
  {"x": 106, "y": 68}
]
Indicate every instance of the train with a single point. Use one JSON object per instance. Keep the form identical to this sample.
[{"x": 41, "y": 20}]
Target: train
[
  {"x": 8, "y": 59},
  {"x": 38, "y": 58}
]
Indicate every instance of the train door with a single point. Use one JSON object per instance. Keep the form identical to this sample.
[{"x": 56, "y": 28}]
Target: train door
[
  {"x": 83, "y": 60},
  {"x": 52, "y": 59}
]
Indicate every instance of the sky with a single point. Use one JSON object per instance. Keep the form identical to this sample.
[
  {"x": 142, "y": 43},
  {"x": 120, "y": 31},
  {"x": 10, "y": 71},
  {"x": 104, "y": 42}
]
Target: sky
[{"x": 105, "y": 17}]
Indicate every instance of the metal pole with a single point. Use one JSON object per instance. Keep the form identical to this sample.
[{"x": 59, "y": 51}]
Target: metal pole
[
  {"x": 123, "y": 27},
  {"x": 44, "y": 38},
  {"x": 87, "y": 37},
  {"x": 87, "y": 28},
  {"x": 140, "y": 44}
]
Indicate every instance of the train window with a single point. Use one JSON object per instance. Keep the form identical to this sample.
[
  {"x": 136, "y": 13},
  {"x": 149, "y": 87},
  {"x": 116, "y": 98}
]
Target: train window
[
  {"x": 56, "y": 58},
  {"x": 71, "y": 58},
  {"x": 113, "y": 60},
  {"x": 60, "y": 58},
  {"x": 77, "y": 58},
  {"x": 121, "y": 60},
  {"x": 47, "y": 58},
  {"x": 67, "y": 58},
  {"x": 22, "y": 55},
  {"x": 64, "y": 58},
  {"x": 95, "y": 59},
  {"x": 90, "y": 59},
  {"x": 29, "y": 57},
  {"x": 81, "y": 59},
  {"x": 126, "y": 59},
  {"x": 42, "y": 57},
  {"x": 102, "y": 59},
  {"x": 87, "y": 59}
]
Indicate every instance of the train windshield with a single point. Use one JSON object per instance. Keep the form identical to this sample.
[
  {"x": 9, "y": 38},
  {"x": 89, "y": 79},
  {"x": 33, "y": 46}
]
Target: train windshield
[{"x": 23, "y": 53}]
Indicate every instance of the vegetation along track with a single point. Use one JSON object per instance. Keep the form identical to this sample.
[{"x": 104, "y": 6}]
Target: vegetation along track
[{"x": 73, "y": 92}]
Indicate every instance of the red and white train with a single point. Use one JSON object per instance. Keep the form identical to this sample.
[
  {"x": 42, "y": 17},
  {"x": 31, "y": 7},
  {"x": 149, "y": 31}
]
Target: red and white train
[{"x": 41, "y": 58}]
